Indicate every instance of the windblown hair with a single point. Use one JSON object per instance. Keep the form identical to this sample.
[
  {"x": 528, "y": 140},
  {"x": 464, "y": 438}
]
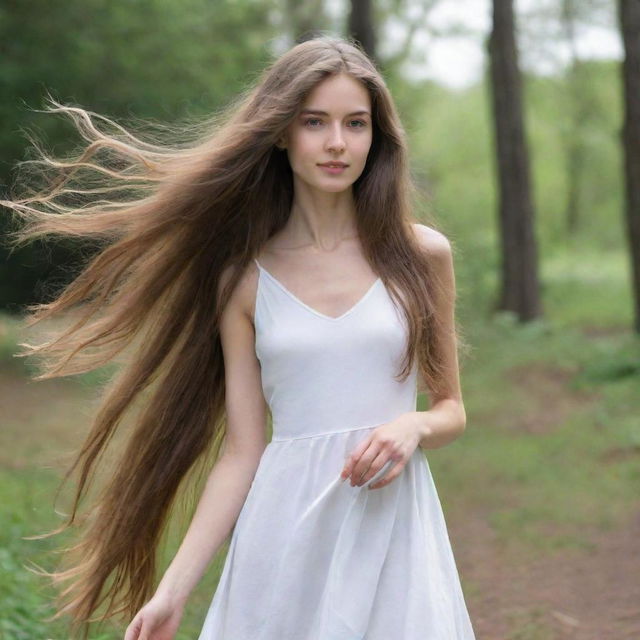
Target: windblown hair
[{"x": 168, "y": 220}]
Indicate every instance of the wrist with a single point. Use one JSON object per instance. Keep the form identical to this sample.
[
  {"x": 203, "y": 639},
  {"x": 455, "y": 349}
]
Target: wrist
[
  {"x": 439, "y": 425},
  {"x": 419, "y": 421},
  {"x": 171, "y": 595}
]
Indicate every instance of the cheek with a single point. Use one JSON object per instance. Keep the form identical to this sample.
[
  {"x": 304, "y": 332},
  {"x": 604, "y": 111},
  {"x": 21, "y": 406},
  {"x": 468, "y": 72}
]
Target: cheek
[
  {"x": 302, "y": 149},
  {"x": 363, "y": 147}
]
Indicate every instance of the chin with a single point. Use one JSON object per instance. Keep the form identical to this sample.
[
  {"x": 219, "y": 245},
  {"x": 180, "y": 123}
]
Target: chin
[
  {"x": 330, "y": 186},
  {"x": 335, "y": 188}
]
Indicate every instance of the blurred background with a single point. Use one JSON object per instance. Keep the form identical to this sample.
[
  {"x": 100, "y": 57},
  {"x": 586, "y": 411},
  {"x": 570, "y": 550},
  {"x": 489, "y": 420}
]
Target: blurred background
[{"x": 524, "y": 126}]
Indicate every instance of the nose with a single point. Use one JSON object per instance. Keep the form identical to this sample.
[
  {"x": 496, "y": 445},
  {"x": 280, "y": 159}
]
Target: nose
[{"x": 335, "y": 140}]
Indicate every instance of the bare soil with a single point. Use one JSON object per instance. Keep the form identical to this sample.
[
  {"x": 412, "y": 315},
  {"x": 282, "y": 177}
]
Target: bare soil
[{"x": 588, "y": 593}]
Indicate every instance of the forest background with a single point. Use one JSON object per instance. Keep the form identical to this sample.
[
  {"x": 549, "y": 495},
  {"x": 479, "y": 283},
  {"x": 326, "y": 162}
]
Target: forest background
[{"x": 540, "y": 493}]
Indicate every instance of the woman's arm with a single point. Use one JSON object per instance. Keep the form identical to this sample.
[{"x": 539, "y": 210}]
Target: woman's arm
[
  {"x": 221, "y": 501},
  {"x": 230, "y": 479},
  {"x": 446, "y": 419}
]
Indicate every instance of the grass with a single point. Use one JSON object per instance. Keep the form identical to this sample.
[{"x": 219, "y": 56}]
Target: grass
[
  {"x": 552, "y": 410},
  {"x": 26, "y": 508}
]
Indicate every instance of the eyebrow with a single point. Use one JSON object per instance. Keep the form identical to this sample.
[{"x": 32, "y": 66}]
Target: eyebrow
[{"x": 324, "y": 113}]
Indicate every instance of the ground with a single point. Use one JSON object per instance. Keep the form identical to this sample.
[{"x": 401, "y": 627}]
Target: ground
[{"x": 592, "y": 593}]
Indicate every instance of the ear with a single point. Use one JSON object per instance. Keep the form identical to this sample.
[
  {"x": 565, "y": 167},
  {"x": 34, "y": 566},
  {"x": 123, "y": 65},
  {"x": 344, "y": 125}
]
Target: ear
[{"x": 282, "y": 143}]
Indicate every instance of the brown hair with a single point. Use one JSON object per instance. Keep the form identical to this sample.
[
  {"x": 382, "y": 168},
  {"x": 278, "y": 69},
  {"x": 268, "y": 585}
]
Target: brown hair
[{"x": 168, "y": 219}]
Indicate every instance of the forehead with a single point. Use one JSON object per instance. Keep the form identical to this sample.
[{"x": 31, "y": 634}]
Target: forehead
[{"x": 338, "y": 92}]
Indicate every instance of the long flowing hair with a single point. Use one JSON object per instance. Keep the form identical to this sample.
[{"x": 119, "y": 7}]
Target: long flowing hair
[{"x": 166, "y": 220}]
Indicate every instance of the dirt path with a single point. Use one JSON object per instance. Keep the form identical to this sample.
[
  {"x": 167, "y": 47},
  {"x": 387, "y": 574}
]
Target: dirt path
[
  {"x": 41, "y": 421},
  {"x": 590, "y": 593}
]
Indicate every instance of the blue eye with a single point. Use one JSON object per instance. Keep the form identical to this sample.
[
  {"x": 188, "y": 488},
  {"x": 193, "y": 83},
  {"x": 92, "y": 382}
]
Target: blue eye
[{"x": 311, "y": 123}]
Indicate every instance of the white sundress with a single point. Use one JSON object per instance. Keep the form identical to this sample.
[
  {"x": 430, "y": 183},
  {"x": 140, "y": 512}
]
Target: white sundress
[{"x": 311, "y": 557}]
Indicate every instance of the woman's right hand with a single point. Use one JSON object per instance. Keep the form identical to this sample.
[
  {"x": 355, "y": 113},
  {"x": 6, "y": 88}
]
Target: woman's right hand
[{"x": 159, "y": 619}]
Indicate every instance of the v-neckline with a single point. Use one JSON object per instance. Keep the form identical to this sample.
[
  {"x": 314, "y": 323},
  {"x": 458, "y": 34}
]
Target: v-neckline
[{"x": 295, "y": 298}]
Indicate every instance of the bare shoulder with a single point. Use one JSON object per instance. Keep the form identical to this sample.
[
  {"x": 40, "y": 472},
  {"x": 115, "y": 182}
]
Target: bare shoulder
[
  {"x": 438, "y": 247},
  {"x": 434, "y": 242},
  {"x": 242, "y": 299}
]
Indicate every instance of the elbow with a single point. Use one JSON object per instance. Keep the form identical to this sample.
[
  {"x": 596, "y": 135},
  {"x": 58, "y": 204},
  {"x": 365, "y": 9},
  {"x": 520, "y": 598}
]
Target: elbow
[{"x": 462, "y": 419}]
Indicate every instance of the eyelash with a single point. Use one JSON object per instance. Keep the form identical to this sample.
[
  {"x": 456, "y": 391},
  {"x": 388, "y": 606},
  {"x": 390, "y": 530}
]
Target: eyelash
[{"x": 362, "y": 122}]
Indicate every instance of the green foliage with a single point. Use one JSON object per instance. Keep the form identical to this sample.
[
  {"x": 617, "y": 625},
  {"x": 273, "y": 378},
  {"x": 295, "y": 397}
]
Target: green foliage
[
  {"x": 23, "y": 601},
  {"x": 8, "y": 343},
  {"x": 155, "y": 60},
  {"x": 551, "y": 435},
  {"x": 26, "y": 600},
  {"x": 18, "y": 601},
  {"x": 452, "y": 145},
  {"x": 163, "y": 61}
]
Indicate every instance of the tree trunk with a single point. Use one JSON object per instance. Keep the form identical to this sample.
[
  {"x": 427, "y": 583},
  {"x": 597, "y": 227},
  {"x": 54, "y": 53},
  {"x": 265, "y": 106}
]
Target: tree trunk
[
  {"x": 574, "y": 163},
  {"x": 629, "y": 17},
  {"x": 573, "y": 138},
  {"x": 305, "y": 20},
  {"x": 519, "y": 269},
  {"x": 361, "y": 26}
]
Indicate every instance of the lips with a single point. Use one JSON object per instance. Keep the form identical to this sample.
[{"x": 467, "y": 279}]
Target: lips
[{"x": 334, "y": 164}]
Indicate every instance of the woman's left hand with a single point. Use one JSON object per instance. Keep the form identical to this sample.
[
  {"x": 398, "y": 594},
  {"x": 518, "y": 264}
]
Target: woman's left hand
[{"x": 395, "y": 440}]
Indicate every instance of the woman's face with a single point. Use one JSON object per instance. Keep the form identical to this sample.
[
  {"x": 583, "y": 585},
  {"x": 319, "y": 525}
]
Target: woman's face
[{"x": 334, "y": 125}]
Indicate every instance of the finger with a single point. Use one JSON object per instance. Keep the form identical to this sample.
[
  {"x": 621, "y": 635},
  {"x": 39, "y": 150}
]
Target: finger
[
  {"x": 390, "y": 477},
  {"x": 354, "y": 457},
  {"x": 145, "y": 633},
  {"x": 132, "y": 630},
  {"x": 377, "y": 463},
  {"x": 388, "y": 452},
  {"x": 362, "y": 466}
]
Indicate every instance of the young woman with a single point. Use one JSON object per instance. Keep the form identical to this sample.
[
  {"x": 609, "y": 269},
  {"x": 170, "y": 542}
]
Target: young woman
[{"x": 271, "y": 264}]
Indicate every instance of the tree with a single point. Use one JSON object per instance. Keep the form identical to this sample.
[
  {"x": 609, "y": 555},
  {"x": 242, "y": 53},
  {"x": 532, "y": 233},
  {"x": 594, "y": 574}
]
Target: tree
[
  {"x": 361, "y": 26},
  {"x": 547, "y": 26},
  {"x": 156, "y": 59},
  {"x": 629, "y": 18},
  {"x": 519, "y": 275},
  {"x": 574, "y": 135},
  {"x": 305, "y": 20}
]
